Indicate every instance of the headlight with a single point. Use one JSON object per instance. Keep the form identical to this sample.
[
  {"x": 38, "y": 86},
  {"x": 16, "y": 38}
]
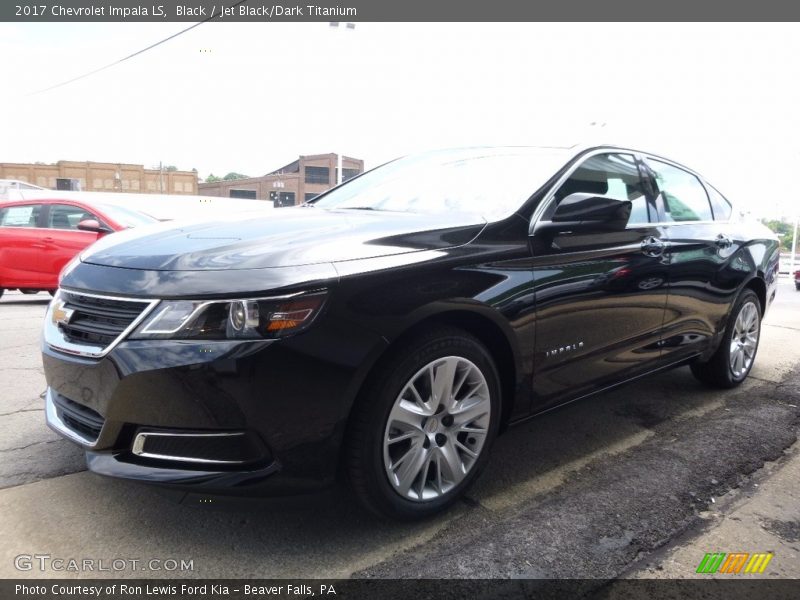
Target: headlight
[{"x": 249, "y": 318}]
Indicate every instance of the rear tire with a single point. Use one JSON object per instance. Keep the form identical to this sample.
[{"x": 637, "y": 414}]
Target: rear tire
[
  {"x": 733, "y": 360},
  {"x": 1, "y": 292},
  {"x": 423, "y": 426}
]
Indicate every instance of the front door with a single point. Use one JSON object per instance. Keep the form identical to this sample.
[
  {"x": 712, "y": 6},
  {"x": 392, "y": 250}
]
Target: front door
[
  {"x": 600, "y": 295},
  {"x": 63, "y": 239}
]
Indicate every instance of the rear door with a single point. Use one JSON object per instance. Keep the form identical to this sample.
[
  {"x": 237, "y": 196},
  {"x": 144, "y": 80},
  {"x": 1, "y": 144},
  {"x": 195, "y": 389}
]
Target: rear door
[
  {"x": 21, "y": 246},
  {"x": 600, "y": 296},
  {"x": 63, "y": 240},
  {"x": 703, "y": 278}
]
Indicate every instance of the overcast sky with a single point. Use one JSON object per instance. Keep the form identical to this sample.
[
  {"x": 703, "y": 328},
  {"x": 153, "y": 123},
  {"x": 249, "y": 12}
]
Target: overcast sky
[{"x": 722, "y": 98}]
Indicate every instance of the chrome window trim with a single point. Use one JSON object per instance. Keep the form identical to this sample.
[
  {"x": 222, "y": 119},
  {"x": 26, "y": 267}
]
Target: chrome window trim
[
  {"x": 640, "y": 156},
  {"x": 57, "y": 424},
  {"x": 137, "y": 448},
  {"x": 55, "y": 339},
  {"x": 548, "y": 197}
]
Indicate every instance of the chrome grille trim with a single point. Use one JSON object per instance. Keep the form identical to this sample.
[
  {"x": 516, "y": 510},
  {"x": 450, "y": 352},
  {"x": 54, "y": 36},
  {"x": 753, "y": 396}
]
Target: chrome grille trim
[
  {"x": 137, "y": 448},
  {"x": 55, "y": 338}
]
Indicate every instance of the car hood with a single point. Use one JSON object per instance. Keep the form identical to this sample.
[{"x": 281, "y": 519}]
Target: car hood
[{"x": 282, "y": 238}]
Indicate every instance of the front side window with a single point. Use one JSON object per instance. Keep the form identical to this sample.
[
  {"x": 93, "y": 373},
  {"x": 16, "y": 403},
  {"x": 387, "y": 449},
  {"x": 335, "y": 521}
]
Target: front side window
[
  {"x": 683, "y": 196},
  {"x": 64, "y": 216},
  {"x": 611, "y": 176},
  {"x": 26, "y": 215}
]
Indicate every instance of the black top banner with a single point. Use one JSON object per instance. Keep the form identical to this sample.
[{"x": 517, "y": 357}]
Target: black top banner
[{"x": 396, "y": 10}]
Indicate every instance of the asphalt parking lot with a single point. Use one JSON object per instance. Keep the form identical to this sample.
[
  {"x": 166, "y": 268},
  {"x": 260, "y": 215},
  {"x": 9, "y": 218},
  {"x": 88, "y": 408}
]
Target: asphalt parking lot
[{"x": 598, "y": 489}]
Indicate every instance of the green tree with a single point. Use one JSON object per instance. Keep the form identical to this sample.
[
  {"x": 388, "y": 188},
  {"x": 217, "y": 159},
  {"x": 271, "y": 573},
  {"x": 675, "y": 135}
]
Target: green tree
[
  {"x": 213, "y": 178},
  {"x": 783, "y": 230},
  {"x": 170, "y": 168},
  {"x": 233, "y": 175}
]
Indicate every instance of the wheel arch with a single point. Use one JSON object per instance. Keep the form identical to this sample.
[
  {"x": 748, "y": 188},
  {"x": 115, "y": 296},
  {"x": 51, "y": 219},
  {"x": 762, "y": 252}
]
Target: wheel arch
[
  {"x": 759, "y": 286},
  {"x": 479, "y": 320}
]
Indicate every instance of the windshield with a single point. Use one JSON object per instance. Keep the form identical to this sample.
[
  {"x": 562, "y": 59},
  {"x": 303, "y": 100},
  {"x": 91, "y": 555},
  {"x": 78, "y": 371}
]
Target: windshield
[
  {"x": 493, "y": 183},
  {"x": 125, "y": 216}
]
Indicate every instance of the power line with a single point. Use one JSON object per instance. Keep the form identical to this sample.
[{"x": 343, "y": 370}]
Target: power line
[{"x": 130, "y": 56}]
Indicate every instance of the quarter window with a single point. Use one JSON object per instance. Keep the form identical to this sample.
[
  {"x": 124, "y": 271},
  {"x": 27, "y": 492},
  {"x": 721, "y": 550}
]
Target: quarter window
[
  {"x": 683, "y": 196},
  {"x": 610, "y": 175},
  {"x": 20, "y": 216},
  {"x": 719, "y": 204},
  {"x": 64, "y": 216}
]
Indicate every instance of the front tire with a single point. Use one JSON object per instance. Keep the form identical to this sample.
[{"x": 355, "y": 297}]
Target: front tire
[
  {"x": 422, "y": 429},
  {"x": 731, "y": 363}
]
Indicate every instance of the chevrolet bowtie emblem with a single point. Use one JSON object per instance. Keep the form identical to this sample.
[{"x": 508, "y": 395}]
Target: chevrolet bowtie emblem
[{"x": 61, "y": 315}]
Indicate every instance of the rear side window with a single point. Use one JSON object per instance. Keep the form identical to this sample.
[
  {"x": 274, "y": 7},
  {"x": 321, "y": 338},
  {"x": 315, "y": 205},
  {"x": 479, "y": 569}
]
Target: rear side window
[
  {"x": 719, "y": 204},
  {"x": 611, "y": 175},
  {"x": 25, "y": 215},
  {"x": 683, "y": 196},
  {"x": 64, "y": 216}
]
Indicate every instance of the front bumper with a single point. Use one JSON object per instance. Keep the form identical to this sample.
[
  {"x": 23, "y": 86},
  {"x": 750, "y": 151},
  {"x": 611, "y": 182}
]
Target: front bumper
[{"x": 289, "y": 399}]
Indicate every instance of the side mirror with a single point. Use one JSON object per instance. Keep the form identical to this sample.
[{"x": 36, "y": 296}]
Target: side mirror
[
  {"x": 93, "y": 225},
  {"x": 582, "y": 211}
]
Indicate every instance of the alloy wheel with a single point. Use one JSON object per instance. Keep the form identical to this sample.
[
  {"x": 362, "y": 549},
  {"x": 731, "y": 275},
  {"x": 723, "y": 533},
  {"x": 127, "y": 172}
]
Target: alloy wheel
[
  {"x": 744, "y": 340},
  {"x": 437, "y": 428}
]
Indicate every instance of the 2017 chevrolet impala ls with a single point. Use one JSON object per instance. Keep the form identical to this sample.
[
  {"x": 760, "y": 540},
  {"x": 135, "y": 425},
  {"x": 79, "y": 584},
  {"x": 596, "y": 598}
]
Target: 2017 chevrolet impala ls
[{"x": 389, "y": 329}]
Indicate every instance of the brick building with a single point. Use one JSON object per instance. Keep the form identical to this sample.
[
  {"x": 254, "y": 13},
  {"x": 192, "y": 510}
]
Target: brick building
[
  {"x": 292, "y": 184},
  {"x": 102, "y": 177}
]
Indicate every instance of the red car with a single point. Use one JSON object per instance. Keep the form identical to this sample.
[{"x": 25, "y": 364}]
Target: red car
[
  {"x": 39, "y": 237},
  {"x": 797, "y": 280}
]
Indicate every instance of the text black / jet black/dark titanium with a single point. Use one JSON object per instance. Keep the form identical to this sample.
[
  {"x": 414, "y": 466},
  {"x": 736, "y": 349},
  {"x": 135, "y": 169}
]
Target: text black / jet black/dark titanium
[{"x": 389, "y": 329}]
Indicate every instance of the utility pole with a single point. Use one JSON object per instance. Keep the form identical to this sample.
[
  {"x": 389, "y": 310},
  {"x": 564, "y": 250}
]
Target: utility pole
[{"x": 339, "y": 175}]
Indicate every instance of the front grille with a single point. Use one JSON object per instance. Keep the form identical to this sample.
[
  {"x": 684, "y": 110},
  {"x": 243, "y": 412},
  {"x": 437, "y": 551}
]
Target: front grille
[
  {"x": 78, "y": 417},
  {"x": 234, "y": 447},
  {"x": 97, "y": 321}
]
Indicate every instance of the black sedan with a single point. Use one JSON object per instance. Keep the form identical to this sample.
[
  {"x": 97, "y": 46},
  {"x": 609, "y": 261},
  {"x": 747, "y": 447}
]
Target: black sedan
[{"x": 388, "y": 330}]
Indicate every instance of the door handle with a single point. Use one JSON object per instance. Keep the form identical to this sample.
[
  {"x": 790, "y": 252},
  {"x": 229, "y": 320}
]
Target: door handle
[
  {"x": 723, "y": 241},
  {"x": 48, "y": 240},
  {"x": 652, "y": 246}
]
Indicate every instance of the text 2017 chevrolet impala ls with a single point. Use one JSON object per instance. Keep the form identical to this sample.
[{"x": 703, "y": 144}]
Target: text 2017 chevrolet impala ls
[{"x": 391, "y": 328}]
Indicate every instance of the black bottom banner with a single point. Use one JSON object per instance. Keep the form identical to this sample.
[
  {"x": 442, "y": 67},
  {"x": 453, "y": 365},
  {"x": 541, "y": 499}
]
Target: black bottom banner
[{"x": 389, "y": 589}]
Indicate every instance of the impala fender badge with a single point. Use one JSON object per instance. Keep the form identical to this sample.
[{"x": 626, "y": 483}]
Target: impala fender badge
[{"x": 563, "y": 349}]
